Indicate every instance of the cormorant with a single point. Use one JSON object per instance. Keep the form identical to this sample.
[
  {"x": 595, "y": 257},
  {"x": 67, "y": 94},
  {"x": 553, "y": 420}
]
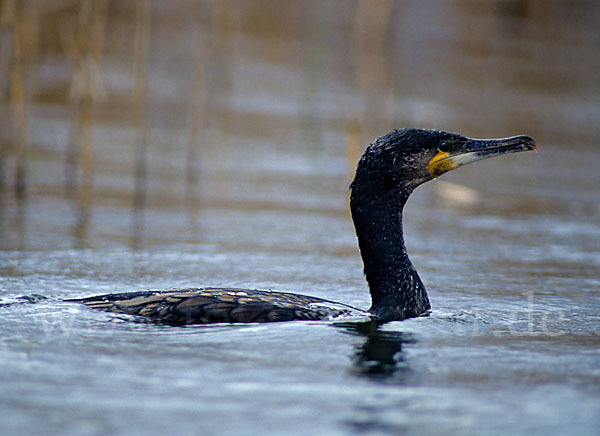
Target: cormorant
[{"x": 388, "y": 172}]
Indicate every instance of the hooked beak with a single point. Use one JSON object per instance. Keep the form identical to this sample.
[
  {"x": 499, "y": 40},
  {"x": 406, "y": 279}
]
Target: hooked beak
[{"x": 477, "y": 149}]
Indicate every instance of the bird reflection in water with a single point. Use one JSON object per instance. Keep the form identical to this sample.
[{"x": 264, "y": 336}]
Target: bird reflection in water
[{"x": 380, "y": 356}]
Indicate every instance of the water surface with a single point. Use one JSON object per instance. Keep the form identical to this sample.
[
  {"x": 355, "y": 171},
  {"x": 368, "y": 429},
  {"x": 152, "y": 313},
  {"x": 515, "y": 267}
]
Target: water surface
[{"x": 509, "y": 248}]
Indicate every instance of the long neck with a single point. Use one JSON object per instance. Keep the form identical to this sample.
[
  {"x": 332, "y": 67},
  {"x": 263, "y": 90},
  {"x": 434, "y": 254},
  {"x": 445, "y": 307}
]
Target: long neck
[{"x": 397, "y": 292}]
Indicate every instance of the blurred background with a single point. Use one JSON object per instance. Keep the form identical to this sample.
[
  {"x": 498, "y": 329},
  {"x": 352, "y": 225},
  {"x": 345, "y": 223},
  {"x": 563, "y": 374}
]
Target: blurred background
[
  {"x": 160, "y": 144},
  {"x": 111, "y": 108}
]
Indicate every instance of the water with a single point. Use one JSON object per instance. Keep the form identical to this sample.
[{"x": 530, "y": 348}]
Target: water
[{"x": 508, "y": 248}]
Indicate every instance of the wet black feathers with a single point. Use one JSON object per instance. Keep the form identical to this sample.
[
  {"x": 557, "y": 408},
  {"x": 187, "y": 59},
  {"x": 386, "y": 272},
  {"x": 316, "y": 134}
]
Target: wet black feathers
[
  {"x": 213, "y": 305},
  {"x": 386, "y": 174}
]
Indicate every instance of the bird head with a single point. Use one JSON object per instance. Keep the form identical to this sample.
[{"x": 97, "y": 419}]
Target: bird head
[{"x": 409, "y": 157}]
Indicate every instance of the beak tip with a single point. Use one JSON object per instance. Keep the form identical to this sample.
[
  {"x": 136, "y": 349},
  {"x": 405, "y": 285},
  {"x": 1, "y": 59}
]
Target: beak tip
[{"x": 529, "y": 143}]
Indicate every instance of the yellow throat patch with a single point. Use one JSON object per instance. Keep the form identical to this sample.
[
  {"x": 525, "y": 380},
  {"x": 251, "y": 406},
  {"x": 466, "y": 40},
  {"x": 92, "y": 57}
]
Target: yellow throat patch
[{"x": 441, "y": 163}]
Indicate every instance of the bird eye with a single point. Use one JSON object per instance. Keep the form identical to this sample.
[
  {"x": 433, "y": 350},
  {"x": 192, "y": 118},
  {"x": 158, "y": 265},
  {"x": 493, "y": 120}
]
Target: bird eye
[{"x": 444, "y": 147}]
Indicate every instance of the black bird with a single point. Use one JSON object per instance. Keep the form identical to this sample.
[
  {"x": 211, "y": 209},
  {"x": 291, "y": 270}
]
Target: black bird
[{"x": 388, "y": 172}]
